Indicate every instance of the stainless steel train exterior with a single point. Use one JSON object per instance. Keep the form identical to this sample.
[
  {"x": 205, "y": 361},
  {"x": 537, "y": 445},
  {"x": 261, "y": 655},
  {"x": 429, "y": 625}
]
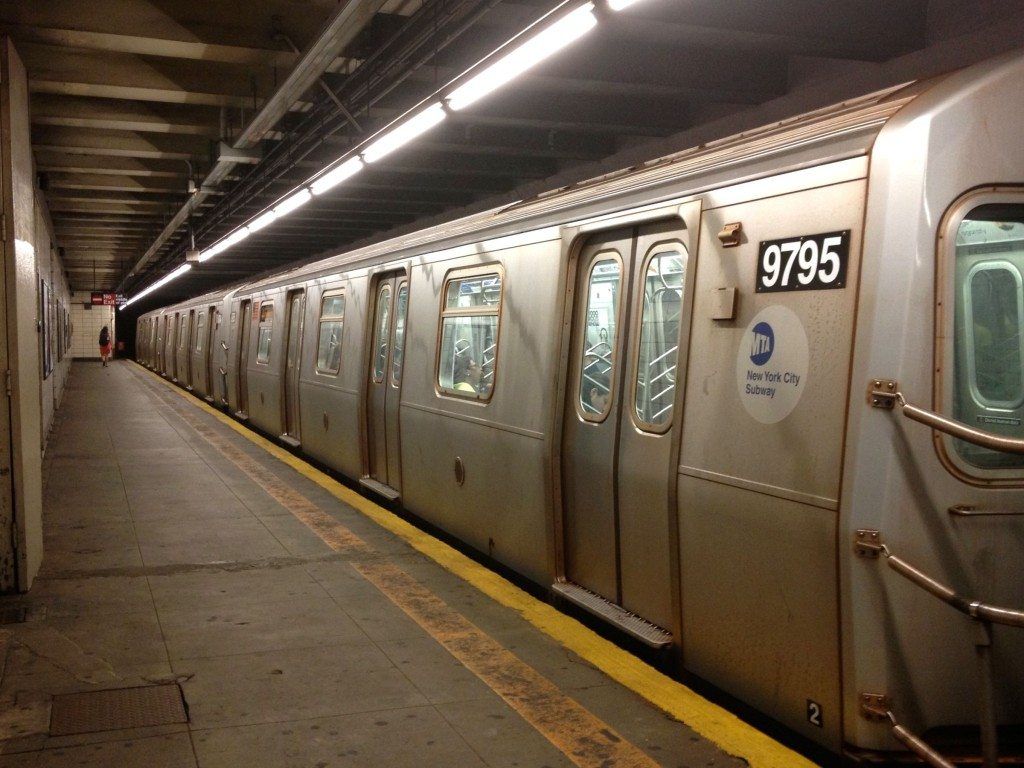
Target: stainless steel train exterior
[{"x": 653, "y": 392}]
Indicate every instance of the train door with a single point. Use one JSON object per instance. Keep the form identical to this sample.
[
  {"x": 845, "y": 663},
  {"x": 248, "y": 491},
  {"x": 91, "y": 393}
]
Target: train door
[
  {"x": 632, "y": 307},
  {"x": 293, "y": 364},
  {"x": 173, "y": 328},
  {"x": 244, "y": 327},
  {"x": 185, "y": 349},
  {"x": 161, "y": 344},
  {"x": 196, "y": 349},
  {"x": 153, "y": 349},
  {"x": 211, "y": 322},
  {"x": 384, "y": 383}
]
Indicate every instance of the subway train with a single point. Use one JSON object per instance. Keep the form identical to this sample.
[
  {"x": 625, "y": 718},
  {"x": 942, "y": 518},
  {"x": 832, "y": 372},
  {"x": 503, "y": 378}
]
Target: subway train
[{"x": 757, "y": 404}]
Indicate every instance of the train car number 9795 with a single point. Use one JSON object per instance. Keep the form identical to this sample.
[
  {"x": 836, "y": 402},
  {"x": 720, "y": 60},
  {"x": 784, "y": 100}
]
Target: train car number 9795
[{"x": 804, "y": 263}]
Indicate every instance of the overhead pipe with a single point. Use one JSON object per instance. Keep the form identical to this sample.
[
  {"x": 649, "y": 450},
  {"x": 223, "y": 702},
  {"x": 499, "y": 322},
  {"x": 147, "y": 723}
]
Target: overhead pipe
[{"x": 348, "y": 20}]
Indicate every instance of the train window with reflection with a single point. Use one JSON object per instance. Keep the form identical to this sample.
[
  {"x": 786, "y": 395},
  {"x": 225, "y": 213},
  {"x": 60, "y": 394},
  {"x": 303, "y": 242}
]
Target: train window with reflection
[
  {"x": 183, "y": 332},
  {"x": 398, "y": 353},
  {"x": 664, "y": 277},
  {"x": 469, "y": 335},
  {"x": 382, "y": 328},
  {"x": 200, "y": 327},
  {"x": 265, "y": 329},
  {"x": 988, "y": 390},
  {"x": 597, "y": 364},
  {"x": 332, "y": 322}
]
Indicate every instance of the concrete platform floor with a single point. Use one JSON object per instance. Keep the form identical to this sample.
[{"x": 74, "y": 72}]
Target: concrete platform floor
[{"x": 301, "y": 633}]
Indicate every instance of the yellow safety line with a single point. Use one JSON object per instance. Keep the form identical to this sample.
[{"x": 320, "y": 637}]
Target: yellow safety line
[{"x": 709, "y": 720}]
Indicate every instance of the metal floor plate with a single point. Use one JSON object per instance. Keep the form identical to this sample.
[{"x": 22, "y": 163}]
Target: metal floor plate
[
  {"x": 647, "y": 633},
  {"x": 117, "y": 709}
]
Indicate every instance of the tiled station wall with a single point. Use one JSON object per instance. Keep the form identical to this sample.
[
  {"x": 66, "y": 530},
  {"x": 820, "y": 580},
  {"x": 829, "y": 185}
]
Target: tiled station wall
[{"x": 86, "y": 325}]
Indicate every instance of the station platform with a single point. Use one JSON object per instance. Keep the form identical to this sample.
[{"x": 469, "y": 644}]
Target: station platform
[{"x": 208, "y": 599}]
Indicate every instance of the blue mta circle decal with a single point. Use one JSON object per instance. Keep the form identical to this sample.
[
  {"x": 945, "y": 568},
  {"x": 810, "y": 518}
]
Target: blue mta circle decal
[{"x": 763, "y": 344}]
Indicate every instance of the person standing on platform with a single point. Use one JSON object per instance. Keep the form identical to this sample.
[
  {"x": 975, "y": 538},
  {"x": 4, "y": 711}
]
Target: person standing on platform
[{"x": 105, "y": 344}]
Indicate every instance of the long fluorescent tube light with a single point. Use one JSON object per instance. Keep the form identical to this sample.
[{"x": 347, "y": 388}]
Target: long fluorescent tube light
[
  {"x": 330, "y": 180},
  {"x": 541, "y": 46},
  {"x": 263, "y": 221},
  {"x": 289, "y": 204},
  {"x": 404, "y": 133},
  {"x": 160, "y": 283},
  {"x": 231, "y": 240}
]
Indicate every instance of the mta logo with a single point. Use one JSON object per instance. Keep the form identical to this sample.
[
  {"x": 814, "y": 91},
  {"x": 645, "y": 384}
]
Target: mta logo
[{"x": 763, "y": 345}]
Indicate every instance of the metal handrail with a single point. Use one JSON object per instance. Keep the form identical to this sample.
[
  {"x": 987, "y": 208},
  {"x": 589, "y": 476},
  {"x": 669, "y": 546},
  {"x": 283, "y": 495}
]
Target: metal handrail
[
  {"x": 869, "y": 544},
  {"x": 974, "y": 608},
  {"x": 883, "y": 394},
  {"x": 877, "y": 708}
]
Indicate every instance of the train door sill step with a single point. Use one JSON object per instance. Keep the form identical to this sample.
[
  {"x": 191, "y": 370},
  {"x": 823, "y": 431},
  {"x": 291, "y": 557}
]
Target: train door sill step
[
  {"x": 289, "y": 441},
  {"x": 241, "y": 415},
  {"x": 208, "y": 399},
  {"x": 379, "y": 488},
  {"x": 647, "y": 633}
]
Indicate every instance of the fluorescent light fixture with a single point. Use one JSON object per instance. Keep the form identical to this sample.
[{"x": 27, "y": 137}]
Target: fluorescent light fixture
[
  {"x": 544, "y": 44},
  {"x": 231, "y": 240},
  {"x": 404, "y": 133},
  {"x": 330, "y": 180},
  {"x": 618, "y": 5},
  {"x": 160, "y": 283},
  {"x": 289, "y": 204},
  {"x": 262, "y": 221}
]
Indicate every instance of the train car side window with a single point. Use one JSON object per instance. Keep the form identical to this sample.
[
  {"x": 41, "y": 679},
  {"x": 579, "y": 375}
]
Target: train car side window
[
  {"x": 467, "y": 360},
  {"x": 664, "y": 277},
  {"x": 200, "y": 327},
  {"x": 597, "y": 365},
  {"x": 988, "y": 390},
  {"x": 397, "y": 354},
  {"x": 266, "y": 327},
  {"x": 382, "y": 330},
  {"x": 332, "y": 323}
]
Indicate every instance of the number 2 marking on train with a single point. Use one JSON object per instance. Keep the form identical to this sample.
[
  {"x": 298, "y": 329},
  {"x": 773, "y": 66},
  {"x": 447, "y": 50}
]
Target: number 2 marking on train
[
  {"x": 814, "y": 713},
  {"x": 804, "y": 263}
]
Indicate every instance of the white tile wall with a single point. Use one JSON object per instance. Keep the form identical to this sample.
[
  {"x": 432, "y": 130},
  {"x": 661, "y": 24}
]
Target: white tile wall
[{"x": 86, "y": 324}]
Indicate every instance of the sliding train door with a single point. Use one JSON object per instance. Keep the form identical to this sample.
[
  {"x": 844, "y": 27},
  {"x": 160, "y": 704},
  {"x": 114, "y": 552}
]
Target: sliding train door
[
  {"x": 632, "y": 298},
  {"x": 292, "y": 365},
  {"x": 207, "y": 358},
  {"x": 384, "y": 383},
  {"x": 242, "y": 379}
]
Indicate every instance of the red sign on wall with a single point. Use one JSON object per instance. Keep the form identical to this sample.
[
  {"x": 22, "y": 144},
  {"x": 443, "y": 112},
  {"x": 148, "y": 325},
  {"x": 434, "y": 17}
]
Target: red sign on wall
[{"x": 106, "y": 299}]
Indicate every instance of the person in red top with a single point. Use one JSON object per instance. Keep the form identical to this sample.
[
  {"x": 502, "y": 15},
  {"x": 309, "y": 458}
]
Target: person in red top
[{"x": 105, "y": 344}]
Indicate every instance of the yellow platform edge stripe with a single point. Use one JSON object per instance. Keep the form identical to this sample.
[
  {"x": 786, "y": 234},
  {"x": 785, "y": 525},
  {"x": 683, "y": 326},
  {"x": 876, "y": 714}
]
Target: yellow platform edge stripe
[{"x": 709, "y": 720}]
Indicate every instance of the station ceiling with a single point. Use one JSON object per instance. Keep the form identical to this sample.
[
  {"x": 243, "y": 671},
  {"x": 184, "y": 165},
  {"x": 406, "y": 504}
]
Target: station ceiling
[{"x": 136, "y": 103}]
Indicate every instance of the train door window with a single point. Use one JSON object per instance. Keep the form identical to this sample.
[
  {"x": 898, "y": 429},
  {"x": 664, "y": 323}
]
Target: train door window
[
  {"x": 200, "y": 327},
  {"x": 183, "y": 331},
  {"x": 467, "y": 361},
  {"x": 598, "y": 350},
  {"x": 266, "y": 326},
  {"x": 401, "y": 306},
  {"x": 664, "y": 275},
  {"x": 332, "y": 323},
  {"x": 382, "y": 326},
  {"x": 988, "y": 390}
]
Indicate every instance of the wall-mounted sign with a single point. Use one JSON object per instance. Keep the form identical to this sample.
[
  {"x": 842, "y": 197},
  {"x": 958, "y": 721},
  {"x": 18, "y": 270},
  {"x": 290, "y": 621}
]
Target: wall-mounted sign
[{"x": 106, "y": 299}]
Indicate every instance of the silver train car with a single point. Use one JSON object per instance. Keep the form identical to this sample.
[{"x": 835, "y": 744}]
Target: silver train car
[{"x": 759, "y": 402}]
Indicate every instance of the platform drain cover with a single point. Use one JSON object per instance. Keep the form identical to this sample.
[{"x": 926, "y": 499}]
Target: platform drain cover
[
  {"x": 13, "y": 614},
  {"x": 116, "y": 709}
]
